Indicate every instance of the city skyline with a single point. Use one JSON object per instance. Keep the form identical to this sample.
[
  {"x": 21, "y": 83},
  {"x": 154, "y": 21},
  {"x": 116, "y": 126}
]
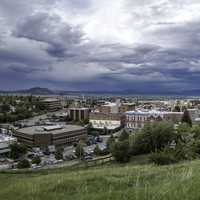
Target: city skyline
[{"x": 99, "y": 45}]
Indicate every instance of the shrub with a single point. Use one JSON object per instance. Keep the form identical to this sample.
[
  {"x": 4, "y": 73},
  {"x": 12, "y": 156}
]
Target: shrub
[
  {"x": 196, "y": 147},
  {"x": 196, "y": 131},
  {"x": 17, "y": 150},
  {"x": 154, "y": 136},
  {"x": 59, "y": 154},
  {"x": 79, "y": 152},
  {"x": 124, "y": 136},
  {"x": 121, "y": 151},
  {"x": 110, "y": 143},
  {"x": 22, "y": 164},
  {"x": 185, "y": 151},
  {"x": 97, "y": 150},
  {"x": 36, "y": 160},
  {"x": 163, "y": 158}
]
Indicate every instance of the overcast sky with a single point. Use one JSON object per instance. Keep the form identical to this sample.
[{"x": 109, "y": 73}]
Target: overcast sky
[{"x": 145, "y": 45}]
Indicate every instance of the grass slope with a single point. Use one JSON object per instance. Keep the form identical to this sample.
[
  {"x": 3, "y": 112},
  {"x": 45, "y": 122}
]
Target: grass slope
[{"x": 115, "y": 182}]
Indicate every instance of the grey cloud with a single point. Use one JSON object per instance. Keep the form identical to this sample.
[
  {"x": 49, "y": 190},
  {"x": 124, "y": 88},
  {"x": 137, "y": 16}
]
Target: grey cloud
[
  {"x": 44, "y": 47},
  {"x": 52, "y": 30}
]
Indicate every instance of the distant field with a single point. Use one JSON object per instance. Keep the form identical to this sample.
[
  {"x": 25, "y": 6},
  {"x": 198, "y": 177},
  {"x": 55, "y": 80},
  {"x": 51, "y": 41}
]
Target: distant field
[{"x": 113, "y": 182}]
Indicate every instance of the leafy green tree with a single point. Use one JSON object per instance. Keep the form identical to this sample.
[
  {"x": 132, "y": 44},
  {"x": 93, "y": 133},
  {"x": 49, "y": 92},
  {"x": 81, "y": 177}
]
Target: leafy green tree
[
  {"x": 22, "y": 149},
  {"x": 14, "y": 151},
  {"x": 105, "y": 131},
  {"x": 184, "y": 132},
  {"x": 121, "y": 151},
  {"x": 23, "y": 164},
  {"x": 183, "y": 128},
  {"x": 59, "y": 154},
  {"x": 124, "y": 135},
  {"x": 185, "y": 151},
  {"x": 196, "y": 131},
  {"x": 79, "y": 151},
  {"x": 97, "y": 151},
  {"x": 110, "y": 143},
  {"x": 36, "y": 160},
  {"x": 186, "y": 118},
  {"x": 40, "y": 106},
  {"x": 154, "y": 136},
  {"x": 196, "y": 147},
  {"x": 5, "y": 108},
  {"x": 17, "y": 150}
]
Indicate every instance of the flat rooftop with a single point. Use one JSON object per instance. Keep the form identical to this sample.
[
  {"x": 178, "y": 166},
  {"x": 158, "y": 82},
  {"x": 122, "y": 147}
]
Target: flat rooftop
[
  {"x": 50, "y": 100},
  {"x": 78, "y": 108},
  {"x": 151, "y": 112},
  {"x": 57, "y": 129},
  {"x": 5, "y": 138}
]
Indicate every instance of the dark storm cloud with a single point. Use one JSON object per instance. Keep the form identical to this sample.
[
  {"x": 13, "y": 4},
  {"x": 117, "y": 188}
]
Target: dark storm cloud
[
  {"x": 40, "y": 44},
  {"x": 60, "y": 37}
]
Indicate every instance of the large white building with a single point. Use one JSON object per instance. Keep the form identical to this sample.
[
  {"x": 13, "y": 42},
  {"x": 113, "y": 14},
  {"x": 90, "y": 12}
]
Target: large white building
[
  {"x": 194, "y": 114},
  {"x": 138, "y": 118},
  {"x": 5, "y": 142},
  {"x": 109, "y": 107},
  {"x": 104, "y": 120}
]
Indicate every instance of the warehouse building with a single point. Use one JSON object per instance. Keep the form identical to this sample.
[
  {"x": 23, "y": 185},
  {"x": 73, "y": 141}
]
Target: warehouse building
[{"x": 43, "y": 136}]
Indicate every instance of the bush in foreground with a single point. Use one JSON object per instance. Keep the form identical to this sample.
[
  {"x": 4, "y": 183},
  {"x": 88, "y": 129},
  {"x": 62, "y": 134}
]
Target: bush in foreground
[
  {"x": 163, "y": 157},
  {"x": 121, "y": 151},
  {"x": 23, "y": 164},
  {"x": 153, "y": 137}
]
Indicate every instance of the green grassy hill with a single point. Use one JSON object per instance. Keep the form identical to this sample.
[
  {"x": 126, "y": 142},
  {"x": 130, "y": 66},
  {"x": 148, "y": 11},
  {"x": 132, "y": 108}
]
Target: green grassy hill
[{"x": 115, "y": 182}]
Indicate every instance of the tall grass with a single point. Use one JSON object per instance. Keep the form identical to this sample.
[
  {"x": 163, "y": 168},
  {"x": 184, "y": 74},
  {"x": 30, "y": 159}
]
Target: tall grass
[{"x": 144, "y": 182}]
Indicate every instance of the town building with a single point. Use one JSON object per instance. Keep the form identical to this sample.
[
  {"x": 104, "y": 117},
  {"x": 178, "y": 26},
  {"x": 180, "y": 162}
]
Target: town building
[
  {"x": 106, "y": 120},
  {"x": 79, "y": 114},
  {"x": 116, "y": 107},
  {"x": 194, "y": 114},
  {"x": 52, "y": 104},
  {"x": 125, "y": 107},
  {"x": 110, "y": 107},
  {"x": 138, "y": 118},
  {"x": 5, "y": 142},
  {"x": 43, "y": 136}
]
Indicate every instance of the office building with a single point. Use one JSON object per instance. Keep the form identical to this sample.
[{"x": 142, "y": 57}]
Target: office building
[
  {"x": 125, "y": 107},
  {"x": 52, "y": 104},
  {"x": 138, "y": 118},
  {"x": 43, "y": 136},
  {"x": 79, "y": 114}
]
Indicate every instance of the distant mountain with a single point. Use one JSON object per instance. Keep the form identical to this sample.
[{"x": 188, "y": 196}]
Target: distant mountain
[
  {"x": 46, "y": 91},
  {"x": 37, "y": 90},
  {"x": 33, "y": 91}
]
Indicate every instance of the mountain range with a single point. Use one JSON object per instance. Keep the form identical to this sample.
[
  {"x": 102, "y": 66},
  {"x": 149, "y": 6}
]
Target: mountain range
[{"x": 46, "y": 91}]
